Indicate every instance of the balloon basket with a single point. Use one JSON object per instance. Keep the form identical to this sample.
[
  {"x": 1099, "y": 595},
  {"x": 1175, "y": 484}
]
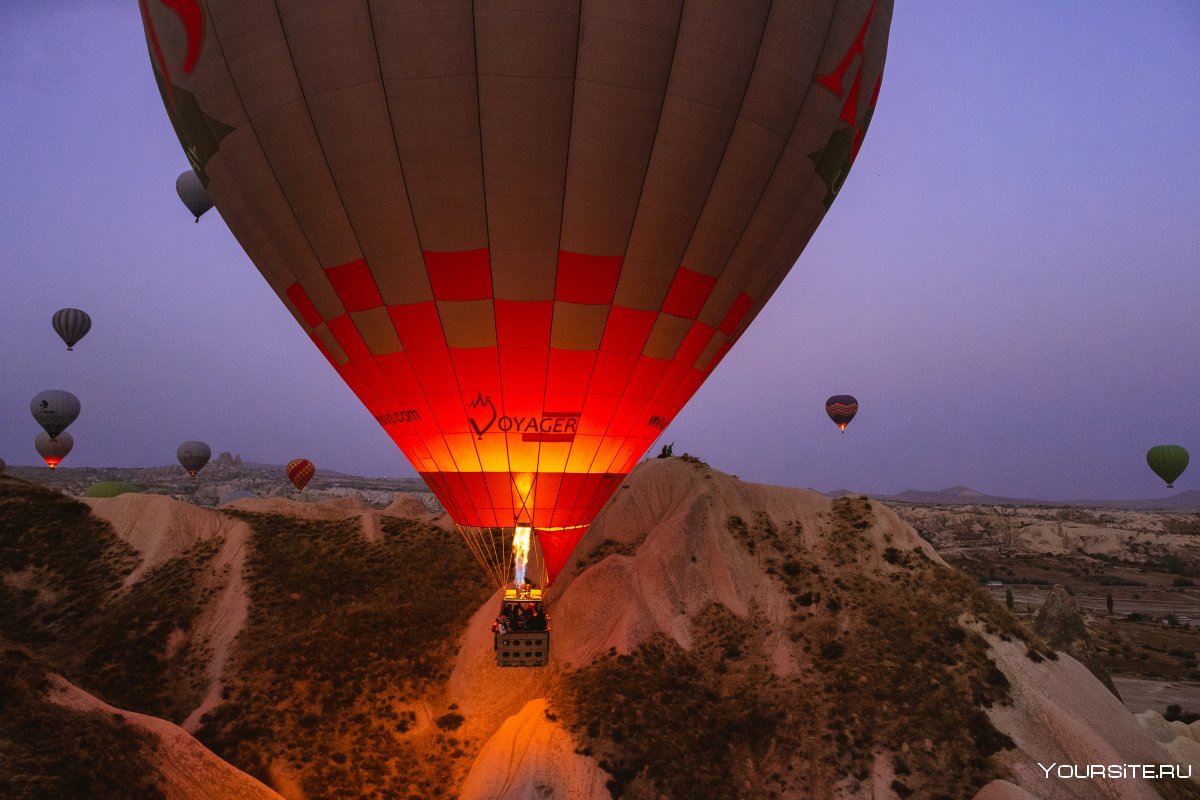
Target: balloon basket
[{"x": 525, "y": 641}]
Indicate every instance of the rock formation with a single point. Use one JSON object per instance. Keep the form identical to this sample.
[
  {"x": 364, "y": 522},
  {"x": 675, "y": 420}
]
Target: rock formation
[{"x": 1061, "y": 624}]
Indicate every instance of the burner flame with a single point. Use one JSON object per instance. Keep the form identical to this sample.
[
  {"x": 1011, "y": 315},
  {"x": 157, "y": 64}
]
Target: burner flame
[{"x": 520, "y": 553}]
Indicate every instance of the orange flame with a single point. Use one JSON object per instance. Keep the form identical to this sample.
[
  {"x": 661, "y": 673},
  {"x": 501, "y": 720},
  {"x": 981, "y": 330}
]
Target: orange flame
[{"x": 520, "y": 553}]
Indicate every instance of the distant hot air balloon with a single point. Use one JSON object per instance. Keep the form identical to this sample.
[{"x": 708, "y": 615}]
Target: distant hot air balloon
[
  {"x": 54, "y": 410},
  {"x": 841, "y": 408},
  {"x": 193, "y": 456},
  {"x": 1168, "y": 462},
  {"x": 53, "y": 450},
  {"x": 193, "y": 194},
  {"x": 72, "y": 324},
  {"x": 524, "y": 239},
  {"x": 300, "y": 471}
]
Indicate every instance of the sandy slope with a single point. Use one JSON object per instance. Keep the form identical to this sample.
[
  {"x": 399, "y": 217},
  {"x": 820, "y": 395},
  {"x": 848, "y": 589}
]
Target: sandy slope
[
  {"x": 540, "y": 758},
  {"x": 1062, "y": 714},
  {"x": 191, "y": 771},
  {"x": 158, "y": 527},
  {"x": 1179, "y": 738},
  {"x": 404, "y": 505},
  {"x": 685, "y": 559},
  {"x": 161, "y": 528},
  {"x": 222, "y": 619},
  {"x": 672, "y": 556}
]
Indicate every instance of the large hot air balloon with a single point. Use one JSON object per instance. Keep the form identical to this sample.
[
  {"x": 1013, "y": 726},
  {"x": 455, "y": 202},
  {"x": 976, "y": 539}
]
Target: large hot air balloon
[
  {"x": 193, "y": 194},
  {"x": 523, "y": 236},
  {"x": 300, "y": 471},
  {"x": 841, "y": 408},
  {"x": 72, "y": 324},
  {"x": 193, "y": 456},
  {"x": 53, "y": 450},
  {"x": 54, "y": 410},
  {"x": 1168, "y": 462}
]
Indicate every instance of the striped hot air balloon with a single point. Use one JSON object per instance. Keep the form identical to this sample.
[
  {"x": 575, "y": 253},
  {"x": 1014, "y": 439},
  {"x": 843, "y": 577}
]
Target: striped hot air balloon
[
  {"x": 841, "y": 408},
  {"x": 523, "y": 234},
  {"x": 53, "y": 450},
  {"x": 72, "y": 324},
  {"x": 300, "y": 471}
]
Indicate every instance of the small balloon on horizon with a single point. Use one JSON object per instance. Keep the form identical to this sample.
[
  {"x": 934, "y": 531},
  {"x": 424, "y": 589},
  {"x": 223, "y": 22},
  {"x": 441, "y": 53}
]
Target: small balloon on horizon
[
  {"x": 193, "y": 456},
  {"x": 300, "y": 471}
]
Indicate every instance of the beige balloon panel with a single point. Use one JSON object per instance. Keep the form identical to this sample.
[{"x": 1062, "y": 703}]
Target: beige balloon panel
[{"x": 672, "y": 139}]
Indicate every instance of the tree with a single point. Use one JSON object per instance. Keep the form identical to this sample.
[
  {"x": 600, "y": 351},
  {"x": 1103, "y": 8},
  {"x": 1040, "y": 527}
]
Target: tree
[
  {"x": 1008, "y": 599},
  {"x": 1108, "y": 601}
]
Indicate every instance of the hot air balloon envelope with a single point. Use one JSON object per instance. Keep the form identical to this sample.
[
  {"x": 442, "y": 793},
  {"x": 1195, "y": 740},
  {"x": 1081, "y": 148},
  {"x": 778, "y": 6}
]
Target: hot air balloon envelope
[
  {"x": 524, "y": 239},
  {"x": 1168, "y": 462},
  {"x": 53, "y": 450},
  {"x": 300, "y": 471},
  {"x": 72, "y": 324},
  {"x": 841, "y": 408},
  {"x": 54, "y": 410},
  {"x": 193, "y": 456},
  {"x": 193, "y": 194}
]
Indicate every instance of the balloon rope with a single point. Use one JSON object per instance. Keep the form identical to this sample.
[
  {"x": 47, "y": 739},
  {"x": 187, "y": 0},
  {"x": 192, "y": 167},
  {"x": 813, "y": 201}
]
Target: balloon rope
[
  {"x": 467, "y": 538},
  {"x": 497, "y": 559},
  {"x": 476, "y": 546},
  {"x": 500, "y": 568}
]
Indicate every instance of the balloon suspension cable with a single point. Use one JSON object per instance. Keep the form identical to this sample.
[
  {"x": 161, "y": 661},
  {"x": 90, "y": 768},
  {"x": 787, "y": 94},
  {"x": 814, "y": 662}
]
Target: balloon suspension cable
[
  {"x": 487, "y": 545},
  {"x": 500, "y": 551}
]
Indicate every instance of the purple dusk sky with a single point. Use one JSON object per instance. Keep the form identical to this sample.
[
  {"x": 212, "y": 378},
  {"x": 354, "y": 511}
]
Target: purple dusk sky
[{"x": 1008, "y": 282}]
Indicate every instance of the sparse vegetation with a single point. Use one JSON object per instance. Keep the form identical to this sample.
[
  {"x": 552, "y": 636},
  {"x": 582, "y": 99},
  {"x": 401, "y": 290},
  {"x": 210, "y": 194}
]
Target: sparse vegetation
[
  {"x": 606, "y": 548},
  {"x": 63, "y": 596},
  {"x": 344, "y": 639},
  {"x": 60, "y": 564},
  {"x": 48, "y": 751},
  {"x": 1138, "y": 646},
  {"x": 910, "y": 689}
]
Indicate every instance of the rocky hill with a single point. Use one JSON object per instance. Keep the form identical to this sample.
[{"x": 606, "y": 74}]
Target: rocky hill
[
  {"x": 228, "y": 476},
  {"x": 1187, "y": 500},
  {"x": 711, "y": 638},
  {"x": 1129, "y": 547}
]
